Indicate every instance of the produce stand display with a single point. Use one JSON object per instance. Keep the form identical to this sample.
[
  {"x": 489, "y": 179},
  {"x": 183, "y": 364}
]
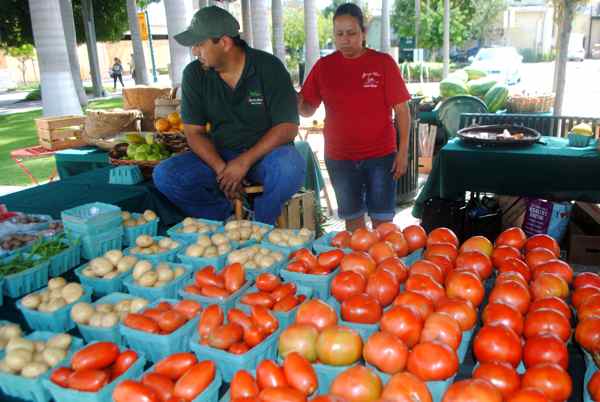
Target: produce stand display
[{"x": 312, "y": 316}]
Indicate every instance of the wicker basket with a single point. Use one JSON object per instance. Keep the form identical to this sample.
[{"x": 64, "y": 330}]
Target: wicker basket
[{"x": 530, "y": 104}]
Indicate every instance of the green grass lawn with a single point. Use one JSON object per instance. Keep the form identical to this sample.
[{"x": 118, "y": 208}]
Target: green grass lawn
[{"x": 18, "y": 131}]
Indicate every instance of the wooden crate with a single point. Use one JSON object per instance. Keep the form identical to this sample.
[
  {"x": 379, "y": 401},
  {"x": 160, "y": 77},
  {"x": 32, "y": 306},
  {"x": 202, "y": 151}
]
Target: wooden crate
[
  {"x": 60, "y": 132},
  {"x": 299, "y": 212}
]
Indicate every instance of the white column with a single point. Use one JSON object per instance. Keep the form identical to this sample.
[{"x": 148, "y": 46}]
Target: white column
[
  {"x": 385, "y": 26},
  {"x": 278, "y": 42},
  {"x": 247, "y": 22},
  {"x": 179, "y": 14},
  {"x": 260, "y": 25},
  {"x": 311, "y": 34}
]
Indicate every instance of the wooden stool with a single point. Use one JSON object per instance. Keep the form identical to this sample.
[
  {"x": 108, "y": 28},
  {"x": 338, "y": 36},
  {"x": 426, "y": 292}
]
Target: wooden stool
[{"x": 238, "y": 204}]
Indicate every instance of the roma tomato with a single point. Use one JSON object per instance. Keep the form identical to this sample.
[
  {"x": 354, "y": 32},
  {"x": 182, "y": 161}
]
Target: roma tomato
[
  {"x": 298, "y": 266},
  {"x": 96, "y": 356},
  {"x": 162, "y": 385},
  {"x": 243, "y": 385},
  {"x": 330, "y": 259},
  {"x": 258, "y": 299},
  {"x": 361, "y": 309},
  {"x": 141, "y": 323},
  {"x": 472, "y": 390},
  {"x": 432, "y": 361},
  {"x": 299, "y": 373},
  {"x": 175, "y": 365},
  {"x": 195, "y": 380},
  {"x": 441, "y": 328},
  {"x": 501, "y": 375},
  {"x": 208, "y": 277},
  {"x": 406, "y": 387},
  {"x": 123, "y": 362},
  {"x": 317, "y": 313},
  {"x": 288, "y": 303},
  {"x": 381, "y": 251},
  {"x": 415, "y": 236},
  {"x": 465, "y": 286},
  {"x": 347, "y": 284},
  {"x": 421, "y": 305},
  {"x": 475, "y": 260},
  {"x": 88, "y": 380},
  {"x": 238, "y": 348},
  {"x": 306, "y": 256},
  {"x": 171, "y": 320},
  {"x": 386, "y": 352},
  {"x": 503, "y": 314},
  {"x": 545, "y": 348},
  {"x": 554, "y": 382},
  {"x": 341, "y": 239},
  {"x": 214, "y": 291},
  {"x": 234, "y": 277},
  {"x": 133, "y": 391},
  {"x": 338, "y": 346},
  {"x": 283, "y": 291},
  {"x": 239, "y": 317},
  {"x": 60, "y": 376},
  {"x": 383, "y": 287},
  {"x": 253, "y": 336},
  {"x": 189, "y": 308},
  {"x": 269, "y": 374},
  {"x": 359, "y": 262},
  {"x": 442, "y": 235},
  {"x": 403, "y": 323},
  {"x": 264, "y": 319},
  {"x": 547, "y": 321},
  {"x": 267, "y": 282},
  {"x": 357, "y": 384},
  {"x": 514, "y": 237},
  {"x": 396, "y": 267},
  {"x": 362, "y": 239},
  {"x": 226, "y": 335},
  {"x": 281, "y": 394},
  {"x": 211, "y": 318},
  {"x": 461, "y": 310},
  {"x": 497, "y": 343}
]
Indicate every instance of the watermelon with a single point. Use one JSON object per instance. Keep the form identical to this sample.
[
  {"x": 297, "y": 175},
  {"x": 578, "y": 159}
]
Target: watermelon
[
  {"x": 480, "y": 86},
  {"x": 460, "y": 75},
  {"x": 474, "y": 73},
  {"x": 495, "y": 98},
  {"x": 451, "y": 87}
]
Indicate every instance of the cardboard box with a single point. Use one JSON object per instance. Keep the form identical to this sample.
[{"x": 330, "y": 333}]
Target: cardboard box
[{"x": 584, "y": 234}]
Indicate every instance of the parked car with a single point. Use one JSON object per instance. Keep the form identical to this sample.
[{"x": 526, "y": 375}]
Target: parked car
[
  {"x": 501, "y": 63},
  {"x": 576, "y": 51}
]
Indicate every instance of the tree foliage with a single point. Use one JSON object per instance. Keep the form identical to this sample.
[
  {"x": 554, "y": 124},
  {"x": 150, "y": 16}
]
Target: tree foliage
[
  {"x": 293, "y": 32},
  {"x": 23, "y": 54}
]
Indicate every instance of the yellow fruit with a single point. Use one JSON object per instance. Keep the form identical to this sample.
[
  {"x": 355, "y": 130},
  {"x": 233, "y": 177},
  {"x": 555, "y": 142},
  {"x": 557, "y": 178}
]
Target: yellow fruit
[
  {"x": 582, "y": 129},
  {"x": 174, "y": 119},
  {"x": 162, "y": 125},
  {"x": 180, "y": 127}
]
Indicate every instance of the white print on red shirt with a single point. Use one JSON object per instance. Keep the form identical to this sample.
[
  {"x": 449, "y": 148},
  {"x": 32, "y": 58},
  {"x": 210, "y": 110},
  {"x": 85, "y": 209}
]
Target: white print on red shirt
[{"x": 371, "y": 80}]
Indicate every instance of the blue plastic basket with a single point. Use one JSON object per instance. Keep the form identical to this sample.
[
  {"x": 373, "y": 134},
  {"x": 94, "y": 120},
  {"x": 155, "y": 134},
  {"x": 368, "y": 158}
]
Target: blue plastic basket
[
  {"x": 463, "y": 348},
  {"x": 103, "y": 395},
  {"x": 65, "y": 260},
  {"x": 96, "y": 245},
  {"x": 90, "y": 214},
  {"x": 155, "y": 346},
  {"x": 225, "y": 304},
  {"x": 57, "y": 321},
  {"x": 412, "y": 257},
  {"x": 131, "y": 233},
  {"x": 229, "y": 363},
  {"x": 320, "y": 284},
  {"x": 174, "y": 232},
  {"x": 126, "y": 175},
  {"x": 167, "y": 256},
  {"x": 201, "y": 262},
  {"x": 101, "y": 286},
  {"x": 364, "y": 330},
  {"x": 168, "y": 291},
  {"x": 578, "y": 140},
  {"x": 589, "y": 372},
  {"x": 323, "y": 243},
  {"x": 289, "y": 250},
  {"x": 24, "y": 282}
]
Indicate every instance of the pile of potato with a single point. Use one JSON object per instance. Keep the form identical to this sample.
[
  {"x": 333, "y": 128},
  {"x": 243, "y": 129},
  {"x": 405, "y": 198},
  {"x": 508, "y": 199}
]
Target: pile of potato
[
  {"x": 191, "y": 225},
  {"x": 7, "y": 332},
  {"x": 110, "y": 265},
  {"x": 289, "y": 237},
  {"x": 16, "y": 240},
  {"x": 255, "y": 257},
  {"x": 148, "y": 276},
  {"x": 130, "y": 221},
  {"x": 145, "y": 244},
  {"x": 106, "y": 315},
  {"x": 245, "y": 230},
  {"x": 30, "y": 359},
  {"x": 57, "y": 295},
  {"x": 208, "y": 247}
]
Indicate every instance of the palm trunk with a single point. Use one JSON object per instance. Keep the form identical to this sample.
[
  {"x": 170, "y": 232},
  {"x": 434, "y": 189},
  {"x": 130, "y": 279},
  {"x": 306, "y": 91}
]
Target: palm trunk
[
  {"x": 446, "y": 38},
  {"x": 278, "y": 43},
  {"x": 566, "y": 24},
  {"x": 417, "y": 22},
  {"x": 141, "y": 71},
  {"x": 178, "y": 18},
  {"x": 66, "y": 9},
  {"x": 87, "y": 11},
  {"x": 260, "y": 25},
  {"x": 247, "y": 22},
  {"x": 312, "y": 35},
  {"x": 59, "y": 96},
  {"x": 385, "y": 26}
]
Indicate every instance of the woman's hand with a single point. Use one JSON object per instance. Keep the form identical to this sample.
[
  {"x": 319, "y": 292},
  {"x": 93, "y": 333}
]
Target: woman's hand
[{"x": 400, "y": 165}]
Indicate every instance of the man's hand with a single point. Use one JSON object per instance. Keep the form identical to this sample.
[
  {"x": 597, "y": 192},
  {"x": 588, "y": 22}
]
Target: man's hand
[
  {"x": 231, "y": 177},
  {"x": 400, "y": 165}
]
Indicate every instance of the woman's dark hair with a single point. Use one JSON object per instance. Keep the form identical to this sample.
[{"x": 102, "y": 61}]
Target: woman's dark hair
[{"x": 352, "y": 10}]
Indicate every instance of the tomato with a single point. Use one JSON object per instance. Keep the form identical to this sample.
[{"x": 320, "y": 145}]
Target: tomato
[
  {"x": 396, "y": 267},
  {"x": 527, "y": 395},
  {"x": 264, "y": 319},
  {"x": 442, "y": 328},
  {"x": 442, "y": 235},
  {"x": 461, "y": 310},
  {"x": 426, "y": 267},
  {"x": 514, "y": 237},
  {"x": 226, "y": 335},
  {"x": 538, "y": 256},
  {"x": 96, "y": 356},
  {"x": 341, "y": 239},
  {"x": 258, "y": 299},
  {"x": 330, "y": 259},
  {"x": 475, "y": 389},
  {"x": 301, "y": 338},
  {"x": 141, "y": 323},
  {"x": 239, "y": 317},
  {"x": 403, "y": 323},
  {"x": 189, "y": 308},
  {"x": 421, "y": 305},
  {"x": 171, "y": 320},
  {"x": 503, "y": 252},
  {"x": 362, "y": 239},
  {"x": 133, "y": 391},
  {"x": 587, "y": 333},
  {"x": 512, "y": 293},
  {"x": 406, "y": 387},
  {"x": 281, "y": 394},
  {"x": 299, "y": 373},
  {"x": 501, "y": 375},
  {"x": 552, "y": 302},
  {"x": 584, "y": 279},
  {"x": 195, "y": 380},
  {"x": 383, "y": 287},
  {"x": 153, "y": 313},
  {"x": 554, "y": 382},
  {"x": 357, "y": 384},
  {"x": 339, "y": 346},
  {"x": 307, "y": 256},
  {"x": 477, "y": 243},
  {"x": 426, "y": 286},
  {"x": 477, "y": 261},
  {"x": 175, "y": 365},
  {"x": 60, "y": 376},
  {"x": 447, "y": 250},
  {"x": 163, "y": 306},
  {"x": 319, "y": 270},
  {"x": 511, "y": 276},
  {"x": 515, "y": 265},
  {"x": 193, "y": 289},
  {"x": 386, "y": 228},
  {"x": 298, "y": 266},
  {"x": 381, "y": 251},
  {"x": 254, "y": 335},
  {"x": 287, "y": 304},
  {"x": 208, "y": 276},
  {"x": 432, "y": 361},
  {"x": 497, "y": 343},
  {"x": 503, "y": 314},
  {"x": 361, "y": 309},
  {"x": 589, "y": 308},
  {"x": 346, "y": 284},
  {"x": 317, "y": 313},
  {"x": 386, "y": 352},
  {"x": 398, "y": 242},
  {"x": 544, "y": 241},
  {"x": 545, "y": 348},
  {"x": 238, "y": 348},
  {"x": 214, "y": 291},
  {"x": 327, "y": 398},
  {"x": 581, "y": 294},
  {"x": 465, "y": 286},
  {"x": 88, "y": 380},
  {"x": 243, "y": 385},
  {"x": 593, "y": 386},
  {"x": 269, "y": 374},
  {"x": 359, "y": 262},
  {"x": 234, "y": 277},
  {"x": 123, "y": 362},
  {"x": 547, "y": 320},
  {"x": 162, "y": 385},
  {"x": 546, "y": 285},
  {"x": 267, "y": 282},
  {"x": 211, "y": 318},
  {"x": 415, "y": 236},
  {"x": 283, "y": 291},
  {"x": 557, "y": 267}
]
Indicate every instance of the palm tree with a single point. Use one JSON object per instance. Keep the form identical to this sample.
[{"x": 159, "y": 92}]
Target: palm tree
[
  {"x": 278, "y": 43},
  {"x": 312, "y": 34},
  {"x": 446, "y": 38},
  {"x": 260, "y": 25},
  {"x": 141, "y": 72},
  {"x": 59, "y": 96},
  {"x": 178, "y": 18},
  {"x": 385, "y": 26},
  {"x": 247, "y": 22},
  {"x": 66, "y": 9}
]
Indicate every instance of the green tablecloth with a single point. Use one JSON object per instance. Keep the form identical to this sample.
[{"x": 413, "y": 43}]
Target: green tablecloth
[
  {"x": 71, "y": 162},
  {"x": 551, "y": 170}
]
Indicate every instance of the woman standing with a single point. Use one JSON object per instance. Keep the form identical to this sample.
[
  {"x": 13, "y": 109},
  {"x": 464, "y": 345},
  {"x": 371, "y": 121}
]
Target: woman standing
[
  {"x": 360, "y": 88},
  {"x": 117, "y": 73}
]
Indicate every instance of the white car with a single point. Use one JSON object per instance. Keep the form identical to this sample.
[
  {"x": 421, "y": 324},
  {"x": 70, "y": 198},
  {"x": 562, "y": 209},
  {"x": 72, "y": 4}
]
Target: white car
[
  {"x": 576, "y": 51},
  {"x": 500, "y": 63}
]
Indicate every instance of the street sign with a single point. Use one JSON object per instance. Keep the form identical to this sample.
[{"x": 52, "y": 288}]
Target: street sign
[{"x": 143, "y": 25}]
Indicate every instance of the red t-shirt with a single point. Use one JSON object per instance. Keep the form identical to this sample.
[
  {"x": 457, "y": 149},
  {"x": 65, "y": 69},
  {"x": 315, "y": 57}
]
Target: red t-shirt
[{"x": 358, "y": 95}]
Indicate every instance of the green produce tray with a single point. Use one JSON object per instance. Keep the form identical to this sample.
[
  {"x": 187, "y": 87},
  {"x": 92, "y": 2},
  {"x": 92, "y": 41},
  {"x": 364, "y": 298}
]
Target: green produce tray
[{"x": 24, "y": 282}]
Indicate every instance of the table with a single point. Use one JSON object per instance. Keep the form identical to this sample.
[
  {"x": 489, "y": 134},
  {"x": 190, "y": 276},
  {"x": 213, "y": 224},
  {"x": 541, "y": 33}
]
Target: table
[
  {"x": 550, "y": 170},
  {"x": 37, "y": 152},
  {"x": 70, "y": 162}
]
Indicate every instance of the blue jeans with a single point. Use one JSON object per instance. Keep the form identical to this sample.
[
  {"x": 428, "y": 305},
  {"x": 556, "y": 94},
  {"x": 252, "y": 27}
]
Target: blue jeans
[{"x": 192, "y": 185}]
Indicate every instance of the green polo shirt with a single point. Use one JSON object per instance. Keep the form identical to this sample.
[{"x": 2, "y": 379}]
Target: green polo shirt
[{"x": 239, "y": 117}]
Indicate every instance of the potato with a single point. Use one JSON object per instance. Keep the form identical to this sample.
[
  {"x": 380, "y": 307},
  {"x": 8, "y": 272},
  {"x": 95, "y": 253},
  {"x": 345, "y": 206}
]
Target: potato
[
  {"x": 149, "y": 215},
  {"x": 109, "y": 320},
  {"x": 144, "y": 241},
  {"x": 39, "y": 346},
  {"x": 165, "y": 243},
  {"x": 55, "y": 294},
  {"x": 174, "y": 245},
  {"x": 104, "y": 308},
  {"x": 101, "y": 266},
  {"x": 178, "y": 271},
  {"x": 218, "y": 239},
  {"x": 17, "y": 359},
  {"x": 277, "y": 256},
  {"x": 232, "y": 225},
  {"x": 296, "y": 241},
  {"x": 237, "y": 257},
  {"x": 34, "y": 370},
  {"x": 72, "y": 292},
  {"x": 113, "y": 256},
  {"x": 60, "y": 341},
  {"x": 189, "y": 229},
  {"x": 264, "y": 251},
  {"x": 245, "y": 233},
  {"x": 305, "y": 233},
  {"x": 223, "y": 249},
  {"x": 43, "y": 307},
  {"x": 148, "y": 279},
  {"x": 129, "y": 223},
  {"x": 3, "y": 343},
  {"x": 126, "y": 263},
  {"x": 189, "y": 221},
  {"x": 96, "y": 319},
  {"x": 81, "y": 313},
  {"x": 125, "y": 215},
  {"x": 88, "y": 272},
  {"x": 111, "y": 275},
  {"x": 52, "y": 356},
  {"x": 159, "y": 284},
  {"x": 147, "y": 251},
  {"x": 123, "y": 305},
  {"x": 57, "y": 304},
  {"x": 56, "y": 283},
  {"x": 195, "y": 250},
  {"x": 19, "y": 343},
  {"x": 204, "y": 241},
  {"x": 31, "y": 301},
  {"x": 266, "y": 262},
  {"x": 274, "y": 237},
  {"x": 10, "y": 331},
  {"x": 140, "y": 268},
  {"x": 138, "y": 304},
  {"x": 38, "y": 357},
  {"x": 5, "y": 369},
  {"x": 136, "y": 250},
  {"x": 140, "y": 221},
  {"x": 165, "y": 274},
  {"x": 155, "y": 248},
  {"x": 210, "y": 252}
]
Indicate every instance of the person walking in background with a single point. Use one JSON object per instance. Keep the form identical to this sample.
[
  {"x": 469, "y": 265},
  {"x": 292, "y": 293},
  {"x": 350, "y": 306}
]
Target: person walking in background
[{"x": 117, "y": 73}]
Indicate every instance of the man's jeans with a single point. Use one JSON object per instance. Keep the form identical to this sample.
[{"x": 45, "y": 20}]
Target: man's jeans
[{"x": 192, "y": 185}]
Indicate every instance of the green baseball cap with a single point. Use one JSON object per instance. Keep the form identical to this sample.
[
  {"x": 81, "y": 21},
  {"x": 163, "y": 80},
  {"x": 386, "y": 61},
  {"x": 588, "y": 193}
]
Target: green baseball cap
[{"x": 209, "y": 22}]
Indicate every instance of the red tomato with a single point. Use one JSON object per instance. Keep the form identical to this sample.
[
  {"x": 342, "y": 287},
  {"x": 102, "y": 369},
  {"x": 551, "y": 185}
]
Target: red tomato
[
  {"x": 214, "y": 291},
  {"x": 515, "y": 265},
  {"x": 269, "y": 374},
  {"x": 441, "y": 328},
  {"x": 383, "y": 287},
  {"x": 208, "y": 276},
  {"x": 447, "y": 250},
  {"x": 330, "y": 259},
  {"x": 587, "y": 333},
  {"x": 514, "y": 237},
  {"x": 226, "y": 335},
  {"x": 123, "y": 362},
  {"x": 298, "y": 266},
  {"x": 545, "y": 348},
  {"x": 243, "y": 385},
  {"x": 359, "y": 262},
  {"x": 396, "y": 267},
  {"x": 346, "y": 284},
  {"x": 444, "y": 263},
  {"x": 497, "y": 343},
  {"x": 193, "y": 289},
  {"x": 461, "y": 310},
  {"x": 254, "y": 335},
  {"x": 511, "y": 276},
  {"x": 162, "y": 385},
  {"x": 319, "y": 270},
  {"x": 283, "y": 291},
  {"x": 406, "y": 387},
  {"x": 426, "y": 286},
  {"x": 341, "y": 239},
  {"x": 299, "y": 373},
  {"x": 415, "y": 236},
  {"x": 421, "y": 305},
  {"x": 551, "y": 302},
  {"x": 477, "y": 243},
  {"x": 581, "y": 294},
  {"x": 357, "y": 384},
  {"x": 287, "y": 304},
  {"x": 307, "y": 256},
  {"x": 234, "y": 277},
  {"x": 238, "y": 348},
  {"x": 584, "y": 279},
  {"x": 558, "y": 267},
  {"x": 442, "y": 235},
  {"x": 189, "y": 308},
  {"x": 465, "y": 286},
  {"x": 153, "y": 313},
  {"x": 175, "y": 365},
  {"x": 547, "y": 320},
  {"x": 501, "y": 375},
  {"x": 60, "y": 376},
  {"x": 301, "y": 338},
  {"x": 386, "y": 352},
  {"x": 133, "y": 391},
  {"x": 317, "y": 313},
  {"x": 362, "y": 309},
  {"x": 503, "y": 314},
  {"x": 267, "y": 282},
  {"x": 426, "y": 267},
  {"x": 547, "y": 285},
  {"x": 538, "y": 256},
  {"x": 527, "y": 395},
  {"x": 338, "y": 346},
  {"x": 593, "y": 386},
  {"x": 386, "y": 228},
  {"x": 432, "y": 361},
  {"x": 477, "y": 261},
  {"x": 544, "y": 241},
  {"x": 281, "y": 394},
  {"x": 141, "y": 323},
  {"x": 96, "y": 356},
  {"x": 381, "y": 250},
  {"x": 589, "y": 308},
  {"x": 195, "y": 380},
  {"x": 258, "y": 299},
  {"x": 171, "y": 320},
  {"x": 398, "y": 242},
  {"x": 503, "y": 252},
  {"x": 362, "y": 239},
  {"x": 554, "y": 382},
  {"x": 211, "y": 318},
  {"x": 264, "y": 319},
  {"x": 512, "y": 293},
  {"x": 472, "y": 390},
  {"x": 88, "y": 380},
  {"x": 164, "y": 306},
  {"x": 403, "y": 323},
  {"x": 239, "y": 317}
]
